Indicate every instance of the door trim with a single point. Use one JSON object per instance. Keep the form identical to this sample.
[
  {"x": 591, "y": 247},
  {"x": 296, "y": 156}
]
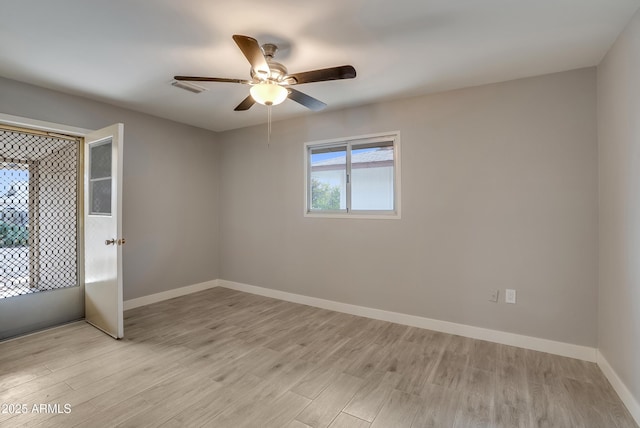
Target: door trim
[
  {"x": 64, "y": 299},
  {"x": 42, "y": 125}
]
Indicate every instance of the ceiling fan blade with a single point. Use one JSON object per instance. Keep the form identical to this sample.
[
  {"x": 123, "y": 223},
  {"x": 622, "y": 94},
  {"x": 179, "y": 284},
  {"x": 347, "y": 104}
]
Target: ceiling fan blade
[
  {"x": 251, "y": 50},
  {"x": 306, "y": 100},
  {"x": 210, "y": 79},
  {"x": 322, "y": 75},
  {"x": 246, "y": 104}
]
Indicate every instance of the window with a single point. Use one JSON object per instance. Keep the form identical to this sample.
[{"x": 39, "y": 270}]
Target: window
[{"x": 353, "y": 177}]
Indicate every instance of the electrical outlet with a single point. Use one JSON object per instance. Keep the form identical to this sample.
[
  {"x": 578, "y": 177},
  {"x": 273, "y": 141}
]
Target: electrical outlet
[
  {"x": 510, "y": 295},
  {"x": 494, "y": 296}
]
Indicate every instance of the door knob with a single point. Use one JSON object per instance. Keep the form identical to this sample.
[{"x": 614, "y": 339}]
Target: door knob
[{"x": 115, "y": 241}]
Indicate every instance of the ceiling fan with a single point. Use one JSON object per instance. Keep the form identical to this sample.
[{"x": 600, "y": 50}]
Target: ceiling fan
[{"x": 270, "y": 81}]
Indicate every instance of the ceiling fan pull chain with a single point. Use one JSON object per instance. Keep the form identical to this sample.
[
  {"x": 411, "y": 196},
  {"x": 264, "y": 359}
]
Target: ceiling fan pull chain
[{"x": 268, "y": 127}]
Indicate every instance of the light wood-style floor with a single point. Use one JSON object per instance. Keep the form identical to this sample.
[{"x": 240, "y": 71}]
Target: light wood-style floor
[{"x": 221, "y": 358}]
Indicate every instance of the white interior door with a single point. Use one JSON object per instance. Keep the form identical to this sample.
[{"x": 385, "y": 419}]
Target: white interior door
[{"x": 103, "y": 229}]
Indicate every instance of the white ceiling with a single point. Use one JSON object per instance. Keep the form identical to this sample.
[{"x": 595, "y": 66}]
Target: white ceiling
[{"x": 125, "y": 52}]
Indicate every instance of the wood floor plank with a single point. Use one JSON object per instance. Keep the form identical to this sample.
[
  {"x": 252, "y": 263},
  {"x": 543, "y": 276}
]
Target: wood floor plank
[
  {"x": 510, "y": 417},
  {"x": 229, "y": 359},
  {"x": 213, "y": 403},
  {"x": 399, "y": 411},
  {"x": 480, "y": 382},
  {"x": 297, "y": 424},
  {"x": 511, "y": 355},
  {"x": 448, "y": 373},
  {"x": 390, "y": 334},
  {"x": 277, "y": 413},
  {"x": 324, "y": 347},
  {"x": 511, "y": 386},
  {"x": 453, "y": 362},
  {"x": 322, "y": 411},
  {"x": 314, "y": 382},
  {"x": 12, "y": 379},
  {"x": 586, "y": 398},
  {"x": 43, "y": 342},
  {"x": 256, "y": 405},
  {"x": 286, "y": 372},
  {"x": 428, "y": 339},
  {"x": 136, "y": 383},
  {"x": 475, "y": 410},
  {"x": 45, "y": 395},
  {"x": 347, "y": 421},
  {"x": 78, "y": 414},
  {"x": 180, "y": 390},
  {"x": 115, "y": 415},
  {"x": 282, "y": 411},
  {"x": 415, "y": 364},
  {"x": 371, "y": 357},
  {"x": 368, "y": 401},
  {"x": 548, "y": 409},
  {"x": 85, "y": 351},
  {"x": 439, "y": 407},
  {"x": 484, "y": 355},
  {"x": 94, "y": 370},
  {"x": 541, "y": 367}
]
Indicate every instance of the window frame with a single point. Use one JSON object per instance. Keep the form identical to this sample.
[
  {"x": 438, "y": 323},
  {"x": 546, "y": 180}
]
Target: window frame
[
  {"x": 348, "y": 143},
  {"x": 39, "y": 127}
]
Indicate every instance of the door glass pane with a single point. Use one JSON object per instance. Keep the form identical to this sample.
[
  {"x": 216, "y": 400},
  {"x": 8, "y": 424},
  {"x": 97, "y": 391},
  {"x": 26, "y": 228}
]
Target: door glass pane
[
  {"x": 101, "y": 160},
  {"x": 372, "y": 176},
  {"x": 100, "y": 178},
  {"x": 100, "y": 196},
  {"x": 328, "y": 179}
]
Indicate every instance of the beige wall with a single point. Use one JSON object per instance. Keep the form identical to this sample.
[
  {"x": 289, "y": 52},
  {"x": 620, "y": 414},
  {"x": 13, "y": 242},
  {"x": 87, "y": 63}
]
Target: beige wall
[
  {"x": 170, "y": 217},
  {"x": 619, "y": 169},
  {"x": 499, "y": 190}
]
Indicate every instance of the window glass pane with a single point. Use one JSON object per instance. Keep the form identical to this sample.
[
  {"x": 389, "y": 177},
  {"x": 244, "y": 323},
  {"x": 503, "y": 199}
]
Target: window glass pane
[
  {"x": 101, "y": 160},
  {"x": 14, "y": 229},
  {"x": 328, "y": 178},
  {"x": 100, "y": 196},
  {"x": 372, "y": 176},
  {"x": 14, "y": 211}
]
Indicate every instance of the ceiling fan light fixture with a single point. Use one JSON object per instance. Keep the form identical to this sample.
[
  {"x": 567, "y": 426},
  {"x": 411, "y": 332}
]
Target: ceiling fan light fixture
[{"x": 268, "y": 93}]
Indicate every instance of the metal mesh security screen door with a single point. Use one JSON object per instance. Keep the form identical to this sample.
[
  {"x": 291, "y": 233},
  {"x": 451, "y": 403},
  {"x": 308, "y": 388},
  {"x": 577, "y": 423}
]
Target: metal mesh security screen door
[{"x": 38, "y": 212}]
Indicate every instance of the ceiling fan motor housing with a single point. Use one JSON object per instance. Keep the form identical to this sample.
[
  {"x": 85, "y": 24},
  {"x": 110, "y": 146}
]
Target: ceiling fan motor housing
[{"x": 278, "y": 71}]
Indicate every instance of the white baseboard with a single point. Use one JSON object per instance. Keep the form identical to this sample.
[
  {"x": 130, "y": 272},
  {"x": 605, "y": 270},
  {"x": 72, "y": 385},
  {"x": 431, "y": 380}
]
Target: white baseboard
[
  {"x": 618, "y": 385},
  {"x": 534, "y": 343},
  {"x": 170, "y": 294}
]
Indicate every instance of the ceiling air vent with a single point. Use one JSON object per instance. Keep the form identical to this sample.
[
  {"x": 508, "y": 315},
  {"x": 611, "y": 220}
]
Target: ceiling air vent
[{"x": 188, "y": 86}]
